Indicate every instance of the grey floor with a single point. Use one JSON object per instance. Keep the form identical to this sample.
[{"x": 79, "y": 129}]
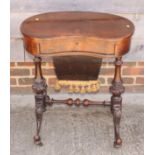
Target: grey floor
[{"x": 75, "y": 131}]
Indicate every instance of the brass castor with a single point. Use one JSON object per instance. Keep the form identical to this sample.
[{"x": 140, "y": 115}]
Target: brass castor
[
  {"x": 37, "y": 141},
  {"x": 118, "y": 143}
]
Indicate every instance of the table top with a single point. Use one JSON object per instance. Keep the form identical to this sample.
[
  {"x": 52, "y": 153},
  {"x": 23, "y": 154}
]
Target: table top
[
  {"x": 87, "y": 33},
  {"x": 92, "y": 24}
]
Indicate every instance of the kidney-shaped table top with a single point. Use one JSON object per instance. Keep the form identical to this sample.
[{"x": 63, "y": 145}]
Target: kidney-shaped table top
[{"x": 56, "y": 32}]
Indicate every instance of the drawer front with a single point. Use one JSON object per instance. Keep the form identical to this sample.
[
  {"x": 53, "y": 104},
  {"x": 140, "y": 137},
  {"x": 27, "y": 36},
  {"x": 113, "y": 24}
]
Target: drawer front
[{"x": 64, "y": 45}]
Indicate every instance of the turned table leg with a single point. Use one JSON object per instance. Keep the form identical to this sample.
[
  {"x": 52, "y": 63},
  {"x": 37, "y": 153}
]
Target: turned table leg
[
  {"x": 39, "y": 87},
  {"x": 116, "y": 101}
]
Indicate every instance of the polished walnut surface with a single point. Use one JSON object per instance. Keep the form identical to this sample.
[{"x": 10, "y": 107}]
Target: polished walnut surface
[
  {"x": 87, "y": 24},
  {"x": 88, "y": 33}
]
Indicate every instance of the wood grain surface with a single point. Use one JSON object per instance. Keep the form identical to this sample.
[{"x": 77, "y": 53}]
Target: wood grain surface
[{"x": 84, "y": 32}]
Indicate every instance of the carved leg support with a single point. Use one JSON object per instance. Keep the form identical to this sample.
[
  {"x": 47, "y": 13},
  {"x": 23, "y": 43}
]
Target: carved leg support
[
  {"x": 116, "y": 101},
  {"x": 39, "y": 86}
]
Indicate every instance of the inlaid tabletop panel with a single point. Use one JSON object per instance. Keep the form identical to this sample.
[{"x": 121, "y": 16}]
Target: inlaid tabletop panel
[
  {"x": 77, "y": 23},
  {"x": 77, "y": 31}
]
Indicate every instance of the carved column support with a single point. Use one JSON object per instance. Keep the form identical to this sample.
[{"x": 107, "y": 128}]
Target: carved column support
[
  {"x": 116, "y": 101},
  {"x": 40, "y": 89}
]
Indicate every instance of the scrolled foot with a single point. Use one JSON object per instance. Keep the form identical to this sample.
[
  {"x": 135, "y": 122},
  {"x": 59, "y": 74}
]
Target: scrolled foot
[
  {"x": 37, "y": 141},
  {"x": 118, "y": 143}
]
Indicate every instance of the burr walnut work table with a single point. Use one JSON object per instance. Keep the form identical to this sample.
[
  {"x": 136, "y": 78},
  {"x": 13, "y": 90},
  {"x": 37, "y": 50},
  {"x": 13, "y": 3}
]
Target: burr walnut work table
[{"x": 87, "y": 34}]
